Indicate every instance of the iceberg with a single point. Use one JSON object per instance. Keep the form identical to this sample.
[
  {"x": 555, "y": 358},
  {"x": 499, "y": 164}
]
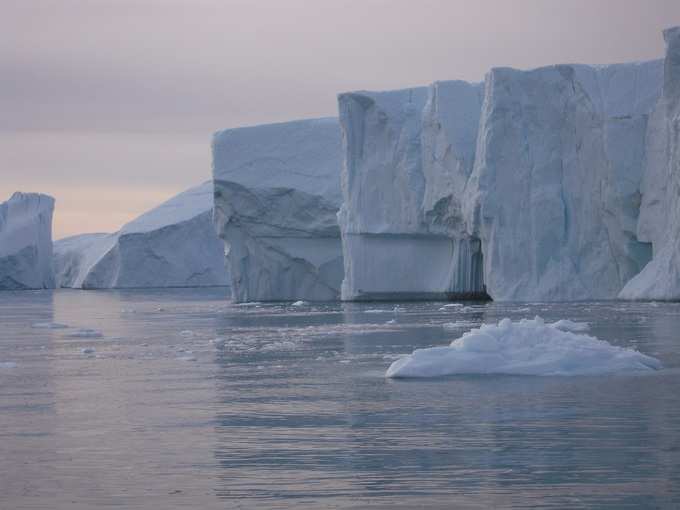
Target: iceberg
[
  {"x": 26, "y": 242},
  {"x": 408, "y": 155},
  {"x": 555, "y": 192},
  {"x": 172, "y": 245},
  {"x": 659, "y": 221},
  {"x": 526, "y": 347},
  {"x": 277, "y": 194}
]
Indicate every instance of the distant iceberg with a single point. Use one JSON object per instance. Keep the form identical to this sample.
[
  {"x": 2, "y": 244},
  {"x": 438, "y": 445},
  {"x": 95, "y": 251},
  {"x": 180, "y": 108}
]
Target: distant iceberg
[
  {"x": 527, "y": 347},
  {"x": 172, "y": 245},
  {"x": 26, "y": 242}
]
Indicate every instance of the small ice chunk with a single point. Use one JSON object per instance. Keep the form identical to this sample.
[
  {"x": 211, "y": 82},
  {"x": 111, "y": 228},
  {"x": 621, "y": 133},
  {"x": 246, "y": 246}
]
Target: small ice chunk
[
  {"x": 86, "y": 333},
  {"x": 375, "y": 310},
  {"x": 448, "y": 306},
  {"x": 391, "y": 321},
  {"x": 300, "y": 303},
  {"x": 218, "y": 343},
  {"x": 567, "y": 325},
  {"x": 187, "y": 333},
  {"x": 527, "y": 347},
  {"x": 186, "y": 358},
  {"x": 48, "y": 325},
  {"x": 283, "y": 345},
  {"x": 7, "y": 364},
  {"x": 87, "y": 350}
]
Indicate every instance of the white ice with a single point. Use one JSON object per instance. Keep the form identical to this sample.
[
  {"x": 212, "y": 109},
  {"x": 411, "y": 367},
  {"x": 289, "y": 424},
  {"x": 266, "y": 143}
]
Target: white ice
[
  {"x": 527, "y": 347},
  {"x": 26, "y": 242},
  {"x": 172, "y": 245},
  {"x": 277, "y": 193}
]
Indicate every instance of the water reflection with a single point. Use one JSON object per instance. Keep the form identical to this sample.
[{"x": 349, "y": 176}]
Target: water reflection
[
  {"x": 189, "y": 400},
  {"x": 308, "y": 428}
]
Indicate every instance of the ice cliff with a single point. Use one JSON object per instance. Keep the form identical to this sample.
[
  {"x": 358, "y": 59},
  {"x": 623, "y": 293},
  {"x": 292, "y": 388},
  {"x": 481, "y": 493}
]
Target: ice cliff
[
  {"x": 408, "y": 155},
  {"x": 277, "y": 193},
  {"x": 527, "y": 187},
  {"x": 173, "y": 245},
  {"x": 659, "y": 222},
  {"x": 554, "y": 195},
  {"x": 26, "y": 242}
]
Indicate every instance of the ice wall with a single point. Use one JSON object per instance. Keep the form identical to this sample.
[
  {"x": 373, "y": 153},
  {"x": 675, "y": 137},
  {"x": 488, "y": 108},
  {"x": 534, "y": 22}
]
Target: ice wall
[
  {"x": 277, "y": 193},
  {"x": 407, "y": 158},
  {"x": 26, "y": 242},
  {"x": 173, "y": 245},
  {"x": 555, "y": 191},
  {"x": 659, "y": 221}
]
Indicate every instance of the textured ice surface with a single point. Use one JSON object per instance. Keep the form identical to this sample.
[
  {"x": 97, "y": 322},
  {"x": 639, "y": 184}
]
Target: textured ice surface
[
  {"x": 277, "y": 192},
  {"x": 527, "y": 347},
  {"x": 554, "y": 195},
  {"x": 26, "y": 242},
  {"x": 407, "y": 158},
  {"x": 659, "y": 221},
  {"x": 173, "y": 245}
]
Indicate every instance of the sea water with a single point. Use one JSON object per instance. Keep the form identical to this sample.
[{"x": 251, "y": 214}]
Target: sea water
[{"x": 181, "y": 399}]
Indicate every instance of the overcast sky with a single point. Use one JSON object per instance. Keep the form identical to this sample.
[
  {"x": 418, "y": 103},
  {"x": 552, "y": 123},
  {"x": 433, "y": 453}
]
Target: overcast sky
[{"x": 109, "y": 105}]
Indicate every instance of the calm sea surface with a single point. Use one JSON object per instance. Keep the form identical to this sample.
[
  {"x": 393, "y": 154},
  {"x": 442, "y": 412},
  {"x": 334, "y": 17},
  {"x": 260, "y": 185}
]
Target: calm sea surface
[{"x": 180, "y": 399}]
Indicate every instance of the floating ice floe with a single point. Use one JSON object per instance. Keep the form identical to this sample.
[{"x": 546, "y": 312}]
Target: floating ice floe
[
  {"x": 86, "y": 333},
  {"x": 49, "y": 325},
  {"x": 527, "y": 347},
  {"x": 574, "y": 327},
  {"x": 300, "y": 303}
]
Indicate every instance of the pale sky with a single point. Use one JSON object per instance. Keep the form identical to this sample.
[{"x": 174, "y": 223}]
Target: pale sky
[{"x": 109, "y": 105}]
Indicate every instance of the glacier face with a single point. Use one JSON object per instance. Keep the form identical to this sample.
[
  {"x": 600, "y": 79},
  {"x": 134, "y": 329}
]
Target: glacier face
[
  {"x": 408, "y": 155},
  {"x": 554, "y": 195},
  {"x": 659, "y": 221},
  {"x": 277, "y": 193},
  {"x": 173, "y": 245},
  {"x": 26, "y": 242}
]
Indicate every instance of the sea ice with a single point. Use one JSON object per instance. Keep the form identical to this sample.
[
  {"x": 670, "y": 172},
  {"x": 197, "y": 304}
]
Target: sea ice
[
  {"x": 49, "y": 325},
  {"x": 85, "y": 333},
  {"x": 527, "y": 347}
]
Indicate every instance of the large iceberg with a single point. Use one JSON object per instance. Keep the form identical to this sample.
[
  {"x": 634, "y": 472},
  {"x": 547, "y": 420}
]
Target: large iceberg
[
  {"x": 554, "y": 195},
  {"x": 26, "y": 242},
  {"x": 173, "y": 245},
  {"x": 525, "y": 188},
  {"x": 277, "y": 193},
  {"x": 659, "y": 221},
  {"x": 526, "y": 347},
  {"x": 408, "y": 155}
]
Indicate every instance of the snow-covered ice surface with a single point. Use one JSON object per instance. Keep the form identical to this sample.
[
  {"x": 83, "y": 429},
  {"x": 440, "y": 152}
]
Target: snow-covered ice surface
[
  {"x": 172, "y": 245},
  {"x": 189, "y": 400},
  {"x": 26, "y": 242},
  {"x": 525, "y": 347},
  {"x": 277, "y": 193}
]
